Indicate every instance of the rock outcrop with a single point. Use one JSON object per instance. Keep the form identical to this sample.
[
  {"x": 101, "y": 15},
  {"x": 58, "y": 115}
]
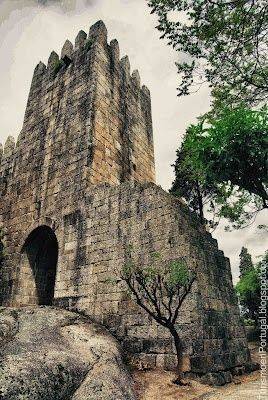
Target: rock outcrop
[{"x": 53, "y": 354}]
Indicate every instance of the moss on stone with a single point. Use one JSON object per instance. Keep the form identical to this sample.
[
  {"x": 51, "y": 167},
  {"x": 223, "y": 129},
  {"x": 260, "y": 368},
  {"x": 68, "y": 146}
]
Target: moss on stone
[
  {"x": 57, "y": 66},
  {"x": 88, "y": 44}
]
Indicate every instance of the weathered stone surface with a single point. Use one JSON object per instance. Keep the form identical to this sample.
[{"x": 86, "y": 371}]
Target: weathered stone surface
[
  {"x": 53, "y": 59},
  {"x": 214, "y": 379},
  {"x": 54, "y": 354},
  {"x": 80, "y": 39},
  {"x": 78, "y": 190},
  {"x": 9, "y": 146},
  {"x": 67, "y": 49}
]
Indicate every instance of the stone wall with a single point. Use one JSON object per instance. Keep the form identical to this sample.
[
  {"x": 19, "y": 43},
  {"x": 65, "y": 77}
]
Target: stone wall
[
  {"x": 93, "y": 238},
  {"x": 87, "y": 121},
  {"x": 88, "y": 128},
  {"x": 122, "y": 128},
  {"x": 149, "y": 220}
]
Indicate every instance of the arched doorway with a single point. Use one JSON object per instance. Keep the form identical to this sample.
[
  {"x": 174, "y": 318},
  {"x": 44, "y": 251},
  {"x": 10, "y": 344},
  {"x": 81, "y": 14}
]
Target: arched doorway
[{"x": 39, "y": 263}]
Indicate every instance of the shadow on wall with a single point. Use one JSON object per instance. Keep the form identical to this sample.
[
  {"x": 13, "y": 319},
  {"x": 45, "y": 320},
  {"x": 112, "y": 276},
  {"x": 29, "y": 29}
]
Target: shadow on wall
[{"x": 40, "y": 256}]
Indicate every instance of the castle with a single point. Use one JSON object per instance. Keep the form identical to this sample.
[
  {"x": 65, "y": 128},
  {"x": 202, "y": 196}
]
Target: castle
[{"x": 79, "y": 187}]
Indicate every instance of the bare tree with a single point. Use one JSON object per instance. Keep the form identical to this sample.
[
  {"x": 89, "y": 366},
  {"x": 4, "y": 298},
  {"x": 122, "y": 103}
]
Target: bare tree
[{"x": 160, "y": 289}]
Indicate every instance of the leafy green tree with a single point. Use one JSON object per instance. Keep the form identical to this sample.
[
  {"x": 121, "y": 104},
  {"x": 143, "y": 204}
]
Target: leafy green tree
[
  {"x": 249, "y": 288},
  {"x": 160, "y": 289},
  {"x": 188, "y": 186},
  {"x": 224, "y": 43},
  {"x": 226, "y": 155},
  {"x": 222, "y": 161},
  {"x": 246, "y": 263}
]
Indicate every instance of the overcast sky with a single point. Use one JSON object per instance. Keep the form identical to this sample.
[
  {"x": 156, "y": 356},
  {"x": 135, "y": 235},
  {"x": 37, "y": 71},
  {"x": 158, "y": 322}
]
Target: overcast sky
[{"x": 31, "y": 29}]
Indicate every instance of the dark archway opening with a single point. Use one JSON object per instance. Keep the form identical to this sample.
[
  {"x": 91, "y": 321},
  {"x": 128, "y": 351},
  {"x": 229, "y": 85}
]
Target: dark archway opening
[{"x": 41, "y": 249}]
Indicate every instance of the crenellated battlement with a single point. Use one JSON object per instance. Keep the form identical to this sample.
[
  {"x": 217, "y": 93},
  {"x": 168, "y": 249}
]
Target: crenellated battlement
[
  {"x": 67, "y": 49},
  {"x": 86, "y": 109},
  {"x": 80, "y": 39},
  {"x": 97, "y": 36},
  {"x": 7, "y": 152},
  {"x": 9, "y": 147},
  {"x": 7, "y": 159}
]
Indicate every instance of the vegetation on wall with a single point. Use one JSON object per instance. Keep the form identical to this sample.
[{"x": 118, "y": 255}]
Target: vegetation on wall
[
  {"x": 160, "y": 289},
  {"x": 59, "y": 64},
  {"x": 88, "y": 44}
]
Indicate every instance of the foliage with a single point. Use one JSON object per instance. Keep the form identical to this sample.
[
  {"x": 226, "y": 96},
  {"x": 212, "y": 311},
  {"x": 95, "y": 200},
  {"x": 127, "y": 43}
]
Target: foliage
[
  {"x": 246, "y": 263},
  {"x": 249, "y": 289},
  {"x": 225, "y": 155},
  {"x": 157, "y": 283},
  {"x": 88, "y": 44},
  {"x": 57, "y": 66},
  {"x": 188, "y": 186},
  {"x": 221, "y": 42},
  {"x": 249, "y": 322},
  {"x": 160, "y": 289}
]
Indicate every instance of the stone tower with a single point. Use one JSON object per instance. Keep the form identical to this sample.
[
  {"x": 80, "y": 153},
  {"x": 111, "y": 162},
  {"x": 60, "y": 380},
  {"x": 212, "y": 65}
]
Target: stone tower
[{"x": 78, "y": 189}]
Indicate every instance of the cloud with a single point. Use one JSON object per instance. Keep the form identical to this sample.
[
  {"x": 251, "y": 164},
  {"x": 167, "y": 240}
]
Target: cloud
[{"x": 31, "y": 29}]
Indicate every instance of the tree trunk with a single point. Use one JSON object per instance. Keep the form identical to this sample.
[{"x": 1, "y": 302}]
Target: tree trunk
[
  {"x": 200, "y": 204},
  {"x": 178, "y": 347}
]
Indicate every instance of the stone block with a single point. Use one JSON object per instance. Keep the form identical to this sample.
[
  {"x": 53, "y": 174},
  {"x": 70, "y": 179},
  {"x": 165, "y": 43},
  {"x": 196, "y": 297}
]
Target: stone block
[
  {"x": 170, "y": 363},
  {"x": 143, "y": 361}
]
